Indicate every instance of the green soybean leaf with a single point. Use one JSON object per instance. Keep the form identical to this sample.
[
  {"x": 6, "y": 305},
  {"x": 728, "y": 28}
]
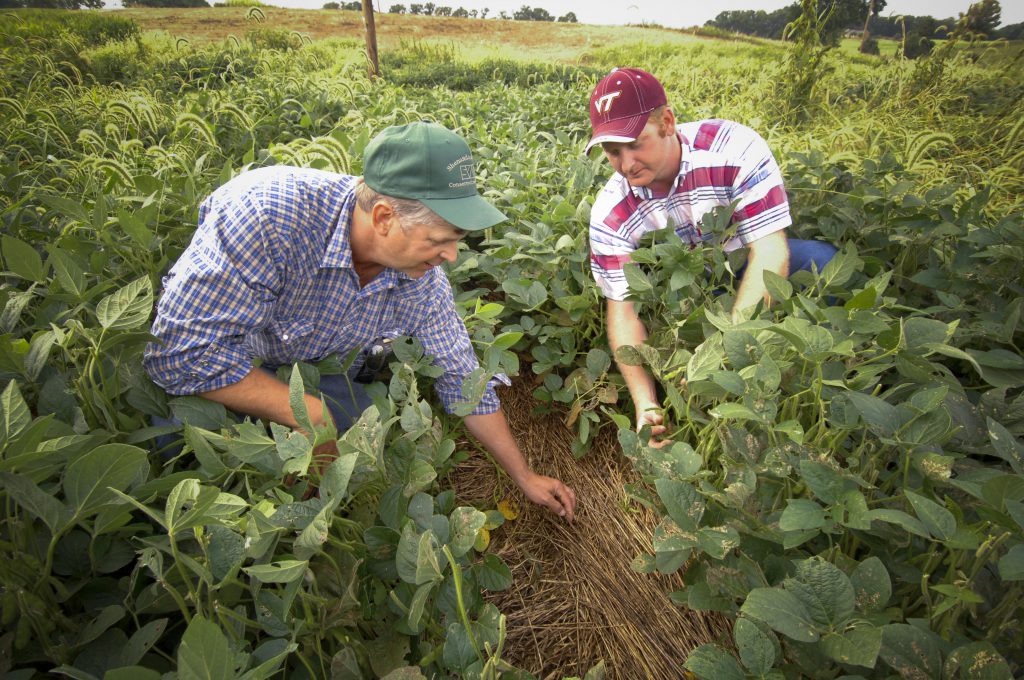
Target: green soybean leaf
[
  {"x": 872, "y": 585},
  {"x": 128, "y": 307},
  {"x": 188, "y": 505},
  {"x": 880, "y": 416},
  {"x": 598, "y": 362},
  {"x": 226, "y": 551},
  {"x": 22, "y": 259},
  {"x": 464, "y": 524},
  {"x": 684, "y": 504},
  {"x": 830, "y": 587},
  {"x": 913, "y": 653},
  {"x": 782, "y": 612},
  {"x": 823, "y": 480},
  {"x": 756, "y": 648},
  {"x": 297, "y": 400},
  {"x": 142, "y": 641},
  {"x": 979, "y": 661},
  {"x": 1011, "y": 565},
  {"x": 711, "y": 662},
  {"x": 920, "y": 333},
  {"x": 900, "y": 518},
  {"x": 204, "y": 653},
  {"x": 282, "y": 571},
  {"x": 777, "y": 286},
  {"x": 493, "y": 574},
  {"x": 939, "y": 521},
  {"x": 311, "y": 540},
  {"x": 857, "y": 647},
  {"x": 801, "y": 514},
  {"x": 14, "y": 413},
  {"x": 23, "y": 491},
  {"x": 89, "y": 478},
  {"x": 334, "y": 484},
  {"x": 1006, "y": 445}
]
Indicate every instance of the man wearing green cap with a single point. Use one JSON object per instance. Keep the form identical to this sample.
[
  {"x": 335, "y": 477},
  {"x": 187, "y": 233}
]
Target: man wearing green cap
[{"x": 292, "y": 264}]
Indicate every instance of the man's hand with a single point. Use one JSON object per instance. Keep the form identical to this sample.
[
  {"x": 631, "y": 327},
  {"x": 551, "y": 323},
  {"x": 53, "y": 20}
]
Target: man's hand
[
  {"x": 552, "y": 494},
  {"x": 650, "y": 414}
]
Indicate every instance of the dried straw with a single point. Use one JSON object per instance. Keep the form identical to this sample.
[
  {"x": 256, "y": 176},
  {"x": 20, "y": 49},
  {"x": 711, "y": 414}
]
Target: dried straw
[{"x": 574, "y": 600}]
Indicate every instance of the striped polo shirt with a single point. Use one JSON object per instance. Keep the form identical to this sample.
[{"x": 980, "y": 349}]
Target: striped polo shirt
[{"x": 722, "y": 162}]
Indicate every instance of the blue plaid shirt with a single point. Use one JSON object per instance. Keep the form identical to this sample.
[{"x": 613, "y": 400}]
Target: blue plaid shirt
[{"x": 269, "y": 274}]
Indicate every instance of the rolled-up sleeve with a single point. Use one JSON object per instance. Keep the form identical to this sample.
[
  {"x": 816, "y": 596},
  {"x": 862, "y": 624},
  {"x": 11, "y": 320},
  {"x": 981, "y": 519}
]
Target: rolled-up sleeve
[
  {"x": 221, "y": 289},
  {"x": 444, "y": 337}
]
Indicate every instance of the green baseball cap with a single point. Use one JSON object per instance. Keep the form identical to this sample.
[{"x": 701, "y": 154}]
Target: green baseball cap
[{"x": 431, "y": 164}]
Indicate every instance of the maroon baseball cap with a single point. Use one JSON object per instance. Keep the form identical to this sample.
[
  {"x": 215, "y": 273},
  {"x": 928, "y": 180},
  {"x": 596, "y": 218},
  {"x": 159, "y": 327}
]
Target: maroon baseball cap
[{"x": 621, "y": 104}]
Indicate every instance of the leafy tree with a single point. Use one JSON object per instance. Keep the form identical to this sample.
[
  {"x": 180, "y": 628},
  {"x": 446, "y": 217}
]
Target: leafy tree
[
  {"x": 460, "y": 12},
  {"x": 331, "y": 5},
  {"x": 568, "y": 18},
  {"x": 473, "y": 13},
  {"x": 442, "y": 11},
  {"x": 415, "y": 8},
  {"x": 396, "y": 9},
  {"x": 503, "y": 15},
  {"x": 527, "y": 13},
  {"x": 428, "y": 8},
  {"x": 483, "y": 12},
  {"x": 982, "y": 18}
]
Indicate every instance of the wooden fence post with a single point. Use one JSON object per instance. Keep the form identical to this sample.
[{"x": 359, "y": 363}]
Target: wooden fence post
[{"x": 371, "y": 39}]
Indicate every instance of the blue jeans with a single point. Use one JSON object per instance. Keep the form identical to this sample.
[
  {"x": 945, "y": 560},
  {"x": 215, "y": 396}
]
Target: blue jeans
[
  {"x": 345, "y": 398},
  {"x": 802, "y": 253}
]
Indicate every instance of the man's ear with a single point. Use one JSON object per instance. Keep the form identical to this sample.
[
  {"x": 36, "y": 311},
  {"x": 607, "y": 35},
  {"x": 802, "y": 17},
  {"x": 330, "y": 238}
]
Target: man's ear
[
  {"x": 668, "y": 122},
  {"x": 383, "y": 218}
]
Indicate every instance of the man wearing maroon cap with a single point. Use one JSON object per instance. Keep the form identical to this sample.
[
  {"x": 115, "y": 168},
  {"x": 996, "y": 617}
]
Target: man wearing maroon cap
[{"x": 676, "y": 174}]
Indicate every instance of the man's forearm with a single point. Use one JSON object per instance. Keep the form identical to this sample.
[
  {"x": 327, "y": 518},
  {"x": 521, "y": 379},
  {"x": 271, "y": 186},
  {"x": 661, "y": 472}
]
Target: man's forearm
[
  {"x": 260, "y": 394},
  {"x": 625, "y": 328},
  {"x": 769, "y": 253},
  {"x": 492, "y": 431}
]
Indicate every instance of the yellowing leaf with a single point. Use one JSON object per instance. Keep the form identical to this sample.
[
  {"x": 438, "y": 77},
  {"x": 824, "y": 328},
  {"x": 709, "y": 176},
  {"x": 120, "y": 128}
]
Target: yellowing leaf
[
  {"x": 483, "y": 539},
  {"x": 509, "y": 509}
]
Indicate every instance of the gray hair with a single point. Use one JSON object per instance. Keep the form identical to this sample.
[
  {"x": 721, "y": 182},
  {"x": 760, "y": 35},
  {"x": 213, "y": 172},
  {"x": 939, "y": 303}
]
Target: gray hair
[{"x": 409, "y": 211}]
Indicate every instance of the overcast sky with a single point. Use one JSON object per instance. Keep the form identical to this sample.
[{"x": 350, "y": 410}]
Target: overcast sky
[{"x": 678, "y": 13}]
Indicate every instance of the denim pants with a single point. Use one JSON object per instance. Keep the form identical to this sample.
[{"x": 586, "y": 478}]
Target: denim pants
[
  {"x": 803, "y": 253},
  {"x": 345, "y": 398}
]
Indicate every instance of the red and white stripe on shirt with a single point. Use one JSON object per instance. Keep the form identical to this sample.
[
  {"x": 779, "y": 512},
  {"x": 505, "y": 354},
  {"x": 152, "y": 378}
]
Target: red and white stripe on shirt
[{"x": 721, "y": 162}]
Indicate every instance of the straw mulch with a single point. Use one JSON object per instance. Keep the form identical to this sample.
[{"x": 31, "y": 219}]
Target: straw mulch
[{"x": 574, "y": 600}]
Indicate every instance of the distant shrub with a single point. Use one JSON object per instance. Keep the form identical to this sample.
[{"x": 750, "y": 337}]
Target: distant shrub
[
  {"x": 917, "y": 46},
  {"x": 870, "y": 46},
  {"x": 330, "y": 5}
]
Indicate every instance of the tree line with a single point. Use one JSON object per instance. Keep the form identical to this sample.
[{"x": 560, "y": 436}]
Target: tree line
[{"x": 981, "y": 19}]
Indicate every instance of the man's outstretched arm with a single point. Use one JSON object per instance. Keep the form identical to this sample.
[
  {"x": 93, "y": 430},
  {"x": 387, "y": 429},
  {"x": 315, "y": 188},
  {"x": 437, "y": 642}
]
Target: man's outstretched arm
[
  {"x": 626, "y": 328},
  {"x": 492, "y": 431},
  {"x": 768, "y": 253}
]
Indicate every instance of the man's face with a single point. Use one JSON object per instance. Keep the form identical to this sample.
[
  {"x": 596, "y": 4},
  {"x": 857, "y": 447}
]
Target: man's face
[
  {"x": 418, "y": 247},
  {"x": 646, "y": 160}
]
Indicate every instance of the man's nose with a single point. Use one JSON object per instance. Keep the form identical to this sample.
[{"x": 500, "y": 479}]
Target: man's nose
[{"x": 450, "y": 252}]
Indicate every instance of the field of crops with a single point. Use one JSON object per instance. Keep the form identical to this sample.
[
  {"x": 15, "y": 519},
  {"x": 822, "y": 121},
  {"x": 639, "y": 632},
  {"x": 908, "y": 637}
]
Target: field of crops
[{"x": 847, "y": 479}]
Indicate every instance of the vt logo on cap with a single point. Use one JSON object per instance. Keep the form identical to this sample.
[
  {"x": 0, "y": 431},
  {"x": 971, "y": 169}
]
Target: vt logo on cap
[
  {"x": 621, "y": 103},
  {"x": 431, "y": 164}
]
